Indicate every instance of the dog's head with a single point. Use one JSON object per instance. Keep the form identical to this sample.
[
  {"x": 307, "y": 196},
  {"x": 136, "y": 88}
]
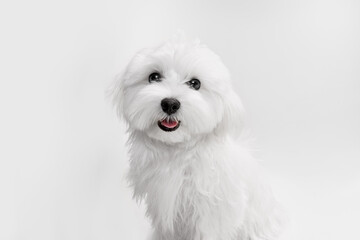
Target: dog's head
[{"x": 177, "y": 91}]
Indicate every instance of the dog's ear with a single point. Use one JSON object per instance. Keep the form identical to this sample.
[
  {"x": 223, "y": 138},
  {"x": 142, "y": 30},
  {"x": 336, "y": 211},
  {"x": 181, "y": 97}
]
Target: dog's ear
[
  {"x": 233, "y": 120},
  {"x": 116, "y": 91},
  {"x": 116, "y": 94}
]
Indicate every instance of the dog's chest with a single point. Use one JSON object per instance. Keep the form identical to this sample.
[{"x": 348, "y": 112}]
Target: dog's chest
[
  {"x": 184, "y": 209},
  {"x": 186, "y": 205},
  {"x": 172, "y": 191},
  {"x": 182, "y": 188}
]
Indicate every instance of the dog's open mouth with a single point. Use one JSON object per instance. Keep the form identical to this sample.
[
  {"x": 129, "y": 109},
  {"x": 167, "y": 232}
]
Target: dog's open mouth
[{"x": 169, "y": 124}]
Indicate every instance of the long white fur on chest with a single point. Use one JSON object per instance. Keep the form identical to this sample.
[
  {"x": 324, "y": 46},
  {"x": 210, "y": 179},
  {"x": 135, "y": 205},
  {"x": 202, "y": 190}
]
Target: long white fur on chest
[{"x": 190, "y": 192}]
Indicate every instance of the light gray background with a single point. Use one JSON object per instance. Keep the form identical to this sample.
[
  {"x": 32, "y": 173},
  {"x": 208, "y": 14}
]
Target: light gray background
[{"x": 295, "y": 64}]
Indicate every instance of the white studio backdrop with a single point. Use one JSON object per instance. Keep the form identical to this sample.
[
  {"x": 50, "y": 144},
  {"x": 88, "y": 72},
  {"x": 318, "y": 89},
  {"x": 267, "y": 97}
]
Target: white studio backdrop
[{"x": 295, "y": 64}]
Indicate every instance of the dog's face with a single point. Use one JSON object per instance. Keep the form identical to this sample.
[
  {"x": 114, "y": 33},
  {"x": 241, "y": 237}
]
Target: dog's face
[{"x": 178, "y": 91}]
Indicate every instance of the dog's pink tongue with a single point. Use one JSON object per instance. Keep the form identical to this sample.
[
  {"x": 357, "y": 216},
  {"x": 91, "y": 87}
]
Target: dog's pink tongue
[{"x": 170, "y": 124}]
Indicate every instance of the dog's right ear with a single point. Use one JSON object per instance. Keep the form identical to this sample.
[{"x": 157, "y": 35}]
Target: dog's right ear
[
  {"x": 116, "y": 91},
  {"x": 116, "y": 94}
]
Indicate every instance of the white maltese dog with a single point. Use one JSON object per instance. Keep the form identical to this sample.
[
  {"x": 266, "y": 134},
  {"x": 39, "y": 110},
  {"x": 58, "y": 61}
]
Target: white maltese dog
[{"x": 184, "y": 120}]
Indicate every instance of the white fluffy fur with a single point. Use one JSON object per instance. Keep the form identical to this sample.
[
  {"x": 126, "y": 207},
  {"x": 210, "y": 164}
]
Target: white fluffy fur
[{"x": 199, "y": 182}]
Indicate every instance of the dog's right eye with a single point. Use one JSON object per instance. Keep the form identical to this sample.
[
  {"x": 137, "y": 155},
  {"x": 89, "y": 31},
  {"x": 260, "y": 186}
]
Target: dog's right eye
[{"x": 154, "y": 77}]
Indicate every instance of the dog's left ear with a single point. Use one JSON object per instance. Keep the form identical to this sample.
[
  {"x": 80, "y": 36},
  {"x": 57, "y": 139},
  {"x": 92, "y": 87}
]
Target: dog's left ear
[{"x": 234, "y": 115}]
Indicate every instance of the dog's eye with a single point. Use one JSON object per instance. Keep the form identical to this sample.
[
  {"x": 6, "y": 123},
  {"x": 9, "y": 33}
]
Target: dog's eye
[
  {"x": 194, "y": 83},
  {"x": 154, "y": 77}
]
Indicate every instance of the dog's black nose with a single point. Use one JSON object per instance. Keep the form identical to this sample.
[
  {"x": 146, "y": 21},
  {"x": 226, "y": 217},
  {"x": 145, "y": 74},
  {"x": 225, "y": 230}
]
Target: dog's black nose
[{"x": 170, "y": 105}]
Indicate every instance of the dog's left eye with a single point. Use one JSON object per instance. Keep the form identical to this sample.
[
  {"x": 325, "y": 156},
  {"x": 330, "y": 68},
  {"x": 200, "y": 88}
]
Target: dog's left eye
[{"x": 194, "y": 83}]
